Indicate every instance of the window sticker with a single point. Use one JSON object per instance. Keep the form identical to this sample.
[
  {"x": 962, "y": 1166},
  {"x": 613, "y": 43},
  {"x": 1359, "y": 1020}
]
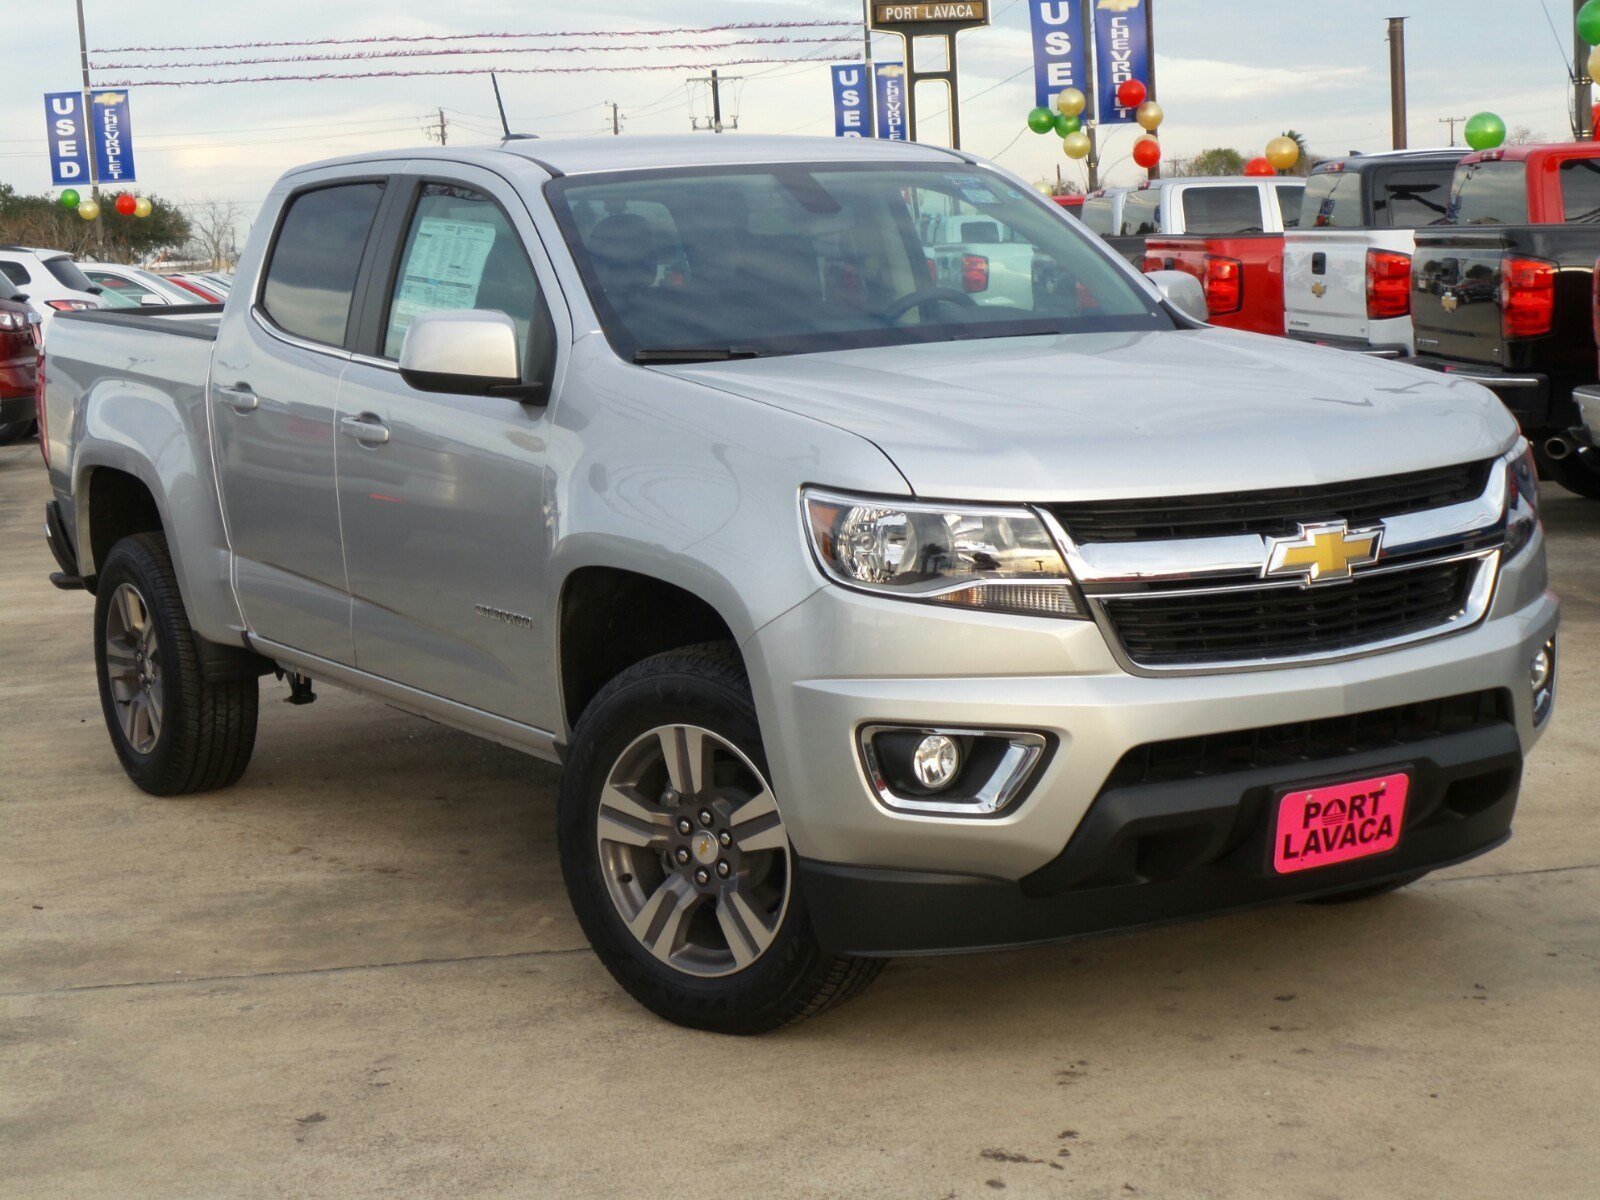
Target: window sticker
[{"x": 443, "y": 271}]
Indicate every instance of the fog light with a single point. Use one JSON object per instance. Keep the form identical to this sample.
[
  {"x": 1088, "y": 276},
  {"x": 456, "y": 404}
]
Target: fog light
[
  {"x": 936, "y": 762},
  {"x": 1539, "y": 670}
]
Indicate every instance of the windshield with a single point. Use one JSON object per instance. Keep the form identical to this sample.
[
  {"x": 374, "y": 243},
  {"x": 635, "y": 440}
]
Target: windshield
[{"x": 735, "y": 262}]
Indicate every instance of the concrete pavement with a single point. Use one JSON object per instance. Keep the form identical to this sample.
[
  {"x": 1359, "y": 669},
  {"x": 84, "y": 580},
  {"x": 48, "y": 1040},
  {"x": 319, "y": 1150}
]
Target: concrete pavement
[{"x": 356, "y": 974}]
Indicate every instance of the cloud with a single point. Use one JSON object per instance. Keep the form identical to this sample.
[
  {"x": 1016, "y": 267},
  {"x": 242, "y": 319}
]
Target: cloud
[{"x": 1213, "y": 79}]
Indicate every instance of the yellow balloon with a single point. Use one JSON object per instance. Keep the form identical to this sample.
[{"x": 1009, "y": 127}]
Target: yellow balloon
[
  {"x": 88, "y": 210},
  {"x": 1150, "y": 116},
  {"x": 1071, "y": 102},
  {"x": 1283, "y": 152},
  {"x": 1076, "y": 145},
  {"x": 1594, "y": 63},
  {"x": 141, "y": 207}
]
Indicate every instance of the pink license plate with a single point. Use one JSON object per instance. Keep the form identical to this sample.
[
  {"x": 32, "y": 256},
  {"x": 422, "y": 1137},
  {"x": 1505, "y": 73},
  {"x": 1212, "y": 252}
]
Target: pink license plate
[{"x": 1328, "y": 825}]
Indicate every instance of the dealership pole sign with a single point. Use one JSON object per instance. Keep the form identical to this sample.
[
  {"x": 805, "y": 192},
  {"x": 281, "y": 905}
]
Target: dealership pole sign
[
  {"x": 930, "y": 20},
  {"x": 850, "y": 100},
  {"x": 93, "y": 146},
  {"x": 1093, "y": 46},
  {"x": 1121, "y": 53},
  {"x": 1060, "y": 49},
  {"x": 891, "y": 81}
]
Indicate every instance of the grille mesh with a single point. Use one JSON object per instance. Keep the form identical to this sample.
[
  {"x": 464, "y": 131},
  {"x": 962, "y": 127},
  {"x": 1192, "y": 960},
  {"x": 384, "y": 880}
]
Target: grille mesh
[
  {"x": 1249, "y": 624},
  {"x": 1270, "y": 513}
]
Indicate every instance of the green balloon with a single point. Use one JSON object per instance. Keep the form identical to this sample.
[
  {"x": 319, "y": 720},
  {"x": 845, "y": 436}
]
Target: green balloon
[
  {"x": 1485, "y": 131},
  {"x": 1067, "y": 125},
  {"x": 1041, "y": 120},
  {"x": 69, "y": 199},
  {"x": 1589, "y": 22}
]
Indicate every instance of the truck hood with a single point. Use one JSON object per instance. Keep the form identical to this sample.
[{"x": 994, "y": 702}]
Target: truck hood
[{"x": 1125, "y": 415}]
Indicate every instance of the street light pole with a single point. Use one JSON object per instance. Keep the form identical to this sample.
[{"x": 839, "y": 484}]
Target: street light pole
[
  {"x": 872, "y": 83},
  {"x": 88, "y": 132},
  {"x": 1397, "y": 79}
]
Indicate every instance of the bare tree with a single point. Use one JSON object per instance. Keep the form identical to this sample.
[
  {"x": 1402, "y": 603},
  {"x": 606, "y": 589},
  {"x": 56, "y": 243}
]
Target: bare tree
[{"x": 214, "y": 233}]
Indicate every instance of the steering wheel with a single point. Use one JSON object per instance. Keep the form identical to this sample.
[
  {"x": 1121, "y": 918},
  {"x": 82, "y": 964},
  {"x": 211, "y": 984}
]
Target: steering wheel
[{"x": 932, "y": 295}]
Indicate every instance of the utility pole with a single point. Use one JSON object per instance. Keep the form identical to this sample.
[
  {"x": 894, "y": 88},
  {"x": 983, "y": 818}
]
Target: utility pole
[
  {"x": 716, "y": 81},
  {"x": 866, "y": 54},
  {"x": 1093, "y": 161},
  {"x": 1582, "y": 85},
  {"x": 1397, "y": 79},
  {"x": 616, "y": 117},
  {"x": 438, "y": 133},
  {"x": 1453, "y": 122},
  {"x": 88, "y": 133}
]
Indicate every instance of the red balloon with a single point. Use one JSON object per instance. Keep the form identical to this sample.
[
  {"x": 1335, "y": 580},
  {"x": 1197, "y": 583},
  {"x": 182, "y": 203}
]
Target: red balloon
[
  {"x": 1259, "y": 166},
  {"x": 126, "y": 204},
  {"x": 1147, "y": 152},
  {"x": 1132, "y": 94}
]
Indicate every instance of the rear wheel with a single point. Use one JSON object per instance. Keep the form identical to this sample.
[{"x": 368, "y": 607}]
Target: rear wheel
[
  {"x": 174, "y": 730},
  {"x": 676, "y": 858}
]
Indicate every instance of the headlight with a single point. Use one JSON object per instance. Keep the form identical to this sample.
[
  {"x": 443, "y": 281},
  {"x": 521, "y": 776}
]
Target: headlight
[
  {"x": 993, "y": 559},
  {"x": 1522, "y": 498}
]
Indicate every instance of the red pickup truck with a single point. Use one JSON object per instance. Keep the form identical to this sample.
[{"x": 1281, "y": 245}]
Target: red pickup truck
[{"x": 1242, "y": 274}]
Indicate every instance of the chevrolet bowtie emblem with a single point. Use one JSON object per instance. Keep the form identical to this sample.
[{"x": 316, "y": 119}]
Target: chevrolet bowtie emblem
[
  {"x": 1449, "y": 302},
  {"x": 1119, "y": 6},
  {"x": 1319, "y": 290},
  {"x": 1322, "y": 553}
]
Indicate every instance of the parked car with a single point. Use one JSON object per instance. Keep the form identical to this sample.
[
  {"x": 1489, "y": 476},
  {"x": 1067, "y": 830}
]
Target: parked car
[
  {"x": 864, "y": 619},
  {"x": 217, "y": 278},
  {"x": 1219, "y": 206},
  {"x": 195, "y": 286},
  {"x": 19, "y": 348},
  {"x": 51, "y": 280},
  {"x": 133, "y": 287},
  {"x": 1347, "y": 264},
  {"x": 1504, "y": 294},
  {"x": 1242, "y": 275},
  {"x": 1071, "y": 203}
]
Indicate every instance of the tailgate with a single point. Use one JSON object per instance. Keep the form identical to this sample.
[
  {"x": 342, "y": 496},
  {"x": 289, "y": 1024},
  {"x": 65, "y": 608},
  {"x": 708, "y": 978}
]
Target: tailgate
[
  {"x": 1325, "y": 283},
  {"x": 1455, "y": 294}
]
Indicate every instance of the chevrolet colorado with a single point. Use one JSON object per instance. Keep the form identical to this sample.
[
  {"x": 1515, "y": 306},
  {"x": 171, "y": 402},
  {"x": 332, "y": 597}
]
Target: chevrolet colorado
[{"x": 865, "y": 619}]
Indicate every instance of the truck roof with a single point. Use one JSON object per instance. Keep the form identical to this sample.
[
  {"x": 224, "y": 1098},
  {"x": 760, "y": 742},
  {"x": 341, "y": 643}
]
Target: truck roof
[
  {"x": 1363, "y": 162},
  {"x": 1531, "y": 151},
  {"x": 588, "y": 155}
]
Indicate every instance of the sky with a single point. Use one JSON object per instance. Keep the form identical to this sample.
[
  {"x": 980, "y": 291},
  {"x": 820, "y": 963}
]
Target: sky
[{"x": 1229, "y": 73}]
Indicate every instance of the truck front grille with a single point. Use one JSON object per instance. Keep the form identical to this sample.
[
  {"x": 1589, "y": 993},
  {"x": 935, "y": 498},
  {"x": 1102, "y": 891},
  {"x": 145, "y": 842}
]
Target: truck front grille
[
  {"x": 1253, "y": 623},
  {"x": 1271, "y": 512}
]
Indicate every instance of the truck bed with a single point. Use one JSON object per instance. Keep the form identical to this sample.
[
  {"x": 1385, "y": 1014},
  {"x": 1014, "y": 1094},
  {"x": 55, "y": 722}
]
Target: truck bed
[{"x": 185, "y": 320}]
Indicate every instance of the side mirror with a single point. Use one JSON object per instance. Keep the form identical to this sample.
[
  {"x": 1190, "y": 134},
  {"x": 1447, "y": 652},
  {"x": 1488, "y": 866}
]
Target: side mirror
[
  {"x": 151, "y": 300},
  {"x": 465, "y": 352},
  {"x": 1183, "y": 291}
]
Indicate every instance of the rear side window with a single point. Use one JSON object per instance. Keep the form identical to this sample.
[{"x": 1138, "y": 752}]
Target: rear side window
[
  {"x": 67, "y": 274},
  {"x": 1222, "y": 210},
  {"x": 1411, "y": 197},
  {"x": 1290, "y": 199},
  {"x": 1332, "y": 201},
  {"x": 1098, "y": 214},
  {"x": 1580, "y": 189},
  {"x": 1490, "y": 193},
  {"x": 312, "y": 273},
  {"x": 1141, "y": 213},
  {"x": 16, "y": 273}
]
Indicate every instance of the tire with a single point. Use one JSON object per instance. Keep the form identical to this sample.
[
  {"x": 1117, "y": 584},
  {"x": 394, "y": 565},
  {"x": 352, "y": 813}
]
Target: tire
[
  {"x": 16, "y": 431},
  {"x": 1578, "y": 472},
  {"x": 724, "y": 943},
  {"x": 1368, "y": 892},
  {"x": 195, "y": 734}
]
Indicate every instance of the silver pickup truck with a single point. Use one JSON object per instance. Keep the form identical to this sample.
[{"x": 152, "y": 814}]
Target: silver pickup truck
[{"x": 866, "y": 619}]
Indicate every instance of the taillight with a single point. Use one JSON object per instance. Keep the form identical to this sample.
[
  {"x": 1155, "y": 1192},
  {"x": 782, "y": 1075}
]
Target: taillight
[
  {"x": 38, "y": 406},
  {"x": 1527, "y": 297},
  {"x": 1224, "y": 284},
  {"x": 933, "y": 270},
  {"x": 1388, "y": 285},
  {"x": 67, "y": 305},
  {"x": 1153, "y": 263},
  {"x": 974, "y": 273}
]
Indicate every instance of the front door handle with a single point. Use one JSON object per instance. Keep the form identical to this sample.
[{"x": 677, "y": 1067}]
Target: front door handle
[
  {"x": 366, "y": 429},
  {"x": 240, "y": 399}
]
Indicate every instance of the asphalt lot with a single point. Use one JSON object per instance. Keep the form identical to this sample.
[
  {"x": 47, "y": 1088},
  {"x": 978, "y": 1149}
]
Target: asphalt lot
[{"x": 356, "y": 974}]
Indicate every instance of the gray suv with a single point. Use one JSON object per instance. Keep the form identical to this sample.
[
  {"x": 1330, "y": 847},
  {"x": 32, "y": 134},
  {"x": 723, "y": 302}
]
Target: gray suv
[{"x": 867, "y": 618}]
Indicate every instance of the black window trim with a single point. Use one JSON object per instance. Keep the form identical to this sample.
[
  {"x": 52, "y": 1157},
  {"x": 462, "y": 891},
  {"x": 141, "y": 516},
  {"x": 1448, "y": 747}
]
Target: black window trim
[{"x": 386, "y": 180}]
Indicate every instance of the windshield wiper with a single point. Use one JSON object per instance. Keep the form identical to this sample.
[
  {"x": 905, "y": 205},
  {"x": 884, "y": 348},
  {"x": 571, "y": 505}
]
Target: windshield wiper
[{"x": 695, "y": 355}]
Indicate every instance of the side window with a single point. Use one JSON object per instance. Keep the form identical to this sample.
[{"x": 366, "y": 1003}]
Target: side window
[
  {"x": 1141, "y": 213},
  {"x": 118, "y": 292},
  {"x": 16, "y": 272},
  {"x": 1490, "y": 193},
  {"x": 1222, "y": 210},
  {"x": 1580, "y": 189},
  {"x": 1411, "y": 197},
  {"x": 461, "y": 253},
  {"x": 1290, "y": 198},
  {"x": 311, "y": 276},
  {"x": 1097, "y": 213}
]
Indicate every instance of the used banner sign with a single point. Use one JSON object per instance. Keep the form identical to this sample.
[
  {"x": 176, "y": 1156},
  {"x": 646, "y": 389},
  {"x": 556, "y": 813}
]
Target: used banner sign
[
  {"x": 850, "y": 100},
  {"x": 1060, "y": 57},
  {"x": 891, "y": 77},
  {"x": 113, "y": 137},
  {"x": 1121, "y": 52},
  {"x": 68, "y": 135}
]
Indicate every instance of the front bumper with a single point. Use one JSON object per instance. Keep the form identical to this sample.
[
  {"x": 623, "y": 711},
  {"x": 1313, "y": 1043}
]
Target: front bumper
[
  {"x": 842, "y": 660},
  {"x": 1527, "y": 394}
]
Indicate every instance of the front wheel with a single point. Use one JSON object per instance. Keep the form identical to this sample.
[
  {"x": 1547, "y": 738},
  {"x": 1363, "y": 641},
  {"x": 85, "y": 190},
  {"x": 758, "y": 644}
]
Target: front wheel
[{"x": 676, "y": 858}]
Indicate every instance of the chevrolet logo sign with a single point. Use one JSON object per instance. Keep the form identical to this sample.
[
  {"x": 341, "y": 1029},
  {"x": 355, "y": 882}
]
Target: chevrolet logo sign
[
  {"x": 1118, "y": 6},
  {"x": 1322, "y": 553},
  {"x": 1319, "y": 290}
]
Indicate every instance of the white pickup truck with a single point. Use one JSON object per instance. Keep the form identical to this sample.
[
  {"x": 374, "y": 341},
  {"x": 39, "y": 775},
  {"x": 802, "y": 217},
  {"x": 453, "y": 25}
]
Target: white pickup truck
[
  {"x": 977, "y": 255},
  {"x": 1347, "y": 264},
  {"x": 864, "y": 619},
  {"x": 1212, "y": 205}
]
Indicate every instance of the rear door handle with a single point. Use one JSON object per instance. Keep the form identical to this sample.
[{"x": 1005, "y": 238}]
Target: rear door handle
[
  {"x": 240, "y": 399},
  {"x": 366, "y": 429}
]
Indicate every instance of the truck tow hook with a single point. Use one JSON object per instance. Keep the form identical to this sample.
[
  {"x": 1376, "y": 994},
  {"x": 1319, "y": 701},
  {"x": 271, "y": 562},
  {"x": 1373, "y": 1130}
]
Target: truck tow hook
[{"x": 299, "y": 690}]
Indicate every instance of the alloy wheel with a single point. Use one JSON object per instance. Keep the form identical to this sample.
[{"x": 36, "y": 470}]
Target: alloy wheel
[{"x": 133, "y": 667}]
